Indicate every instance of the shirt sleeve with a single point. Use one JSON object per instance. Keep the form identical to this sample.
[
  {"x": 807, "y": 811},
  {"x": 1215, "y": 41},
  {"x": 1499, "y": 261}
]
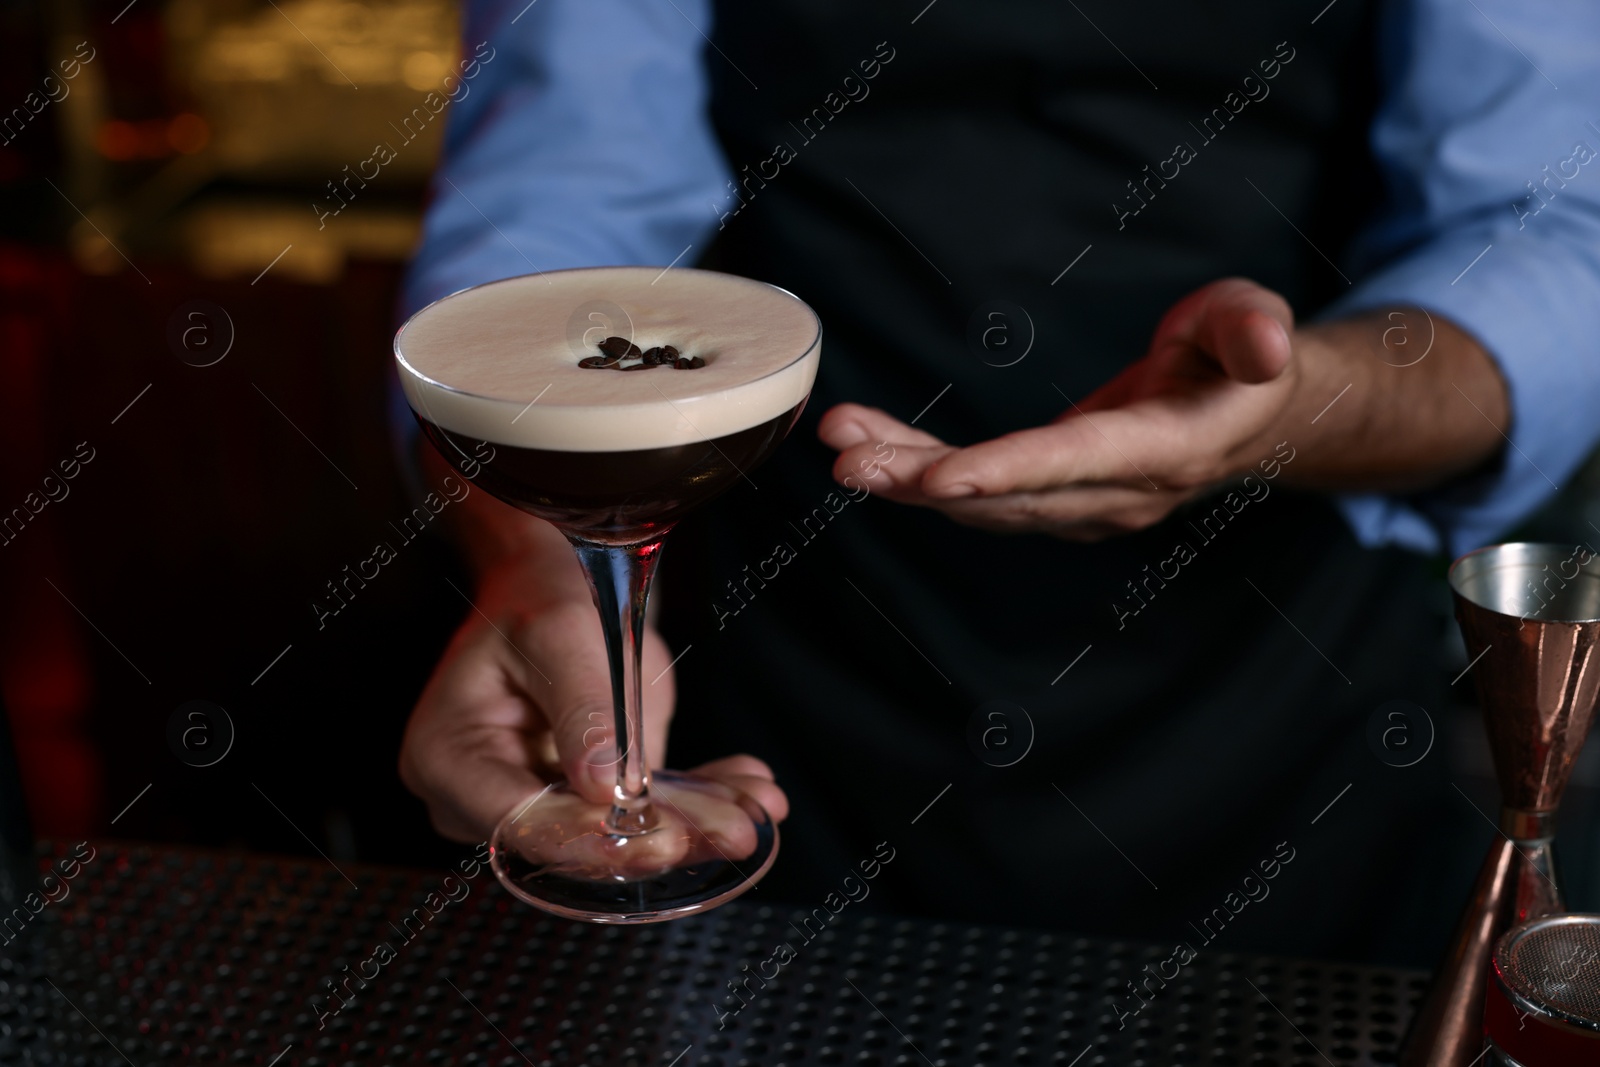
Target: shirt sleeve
[
  {"x": 1486, "y": 139},
  {"x": 576, "y": 136},
  {"x": 584, "y": 140}
]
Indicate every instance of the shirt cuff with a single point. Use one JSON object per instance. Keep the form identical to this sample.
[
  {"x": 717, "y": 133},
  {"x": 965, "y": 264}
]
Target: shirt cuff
[{"x": 1515, "y": 296}]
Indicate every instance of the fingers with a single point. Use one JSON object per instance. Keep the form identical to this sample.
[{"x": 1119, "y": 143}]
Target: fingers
[
  {"x": 1072, "y": 478},
  {"x": 476, "y": 744},
  {"x": 847, "y": 425},
  {"x": 893, "y": 471},
  {"x": 470, "y": 815},
  {"x": 565, "y": 834},
  {"x": 704, "y": 818},
  {"x": 469, "y": 775},
  {"x": 751, "y": 777},
  {"x": 878, "y": 453},
  {"x": 1243, "y": 326},
  {"x": 1072, "y": 514},
  {"x": 1118, "y": 447}
]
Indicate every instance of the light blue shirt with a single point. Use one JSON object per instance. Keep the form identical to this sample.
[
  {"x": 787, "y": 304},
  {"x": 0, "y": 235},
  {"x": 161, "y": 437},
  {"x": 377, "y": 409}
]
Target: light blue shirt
[{"x": 584, "y": 139}]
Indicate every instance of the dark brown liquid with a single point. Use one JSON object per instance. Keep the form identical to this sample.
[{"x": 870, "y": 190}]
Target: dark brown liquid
[{"x": 617, "y": 497}]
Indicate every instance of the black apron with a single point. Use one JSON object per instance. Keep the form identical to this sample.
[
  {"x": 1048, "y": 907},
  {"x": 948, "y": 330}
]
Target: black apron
[{"x": 1226, "y": 692}]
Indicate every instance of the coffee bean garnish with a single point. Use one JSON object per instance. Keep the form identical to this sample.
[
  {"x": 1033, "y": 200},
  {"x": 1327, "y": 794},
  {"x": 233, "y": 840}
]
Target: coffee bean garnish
[
  {"x": 616, "y": 346},
  {"x": 616, "y": 349}
]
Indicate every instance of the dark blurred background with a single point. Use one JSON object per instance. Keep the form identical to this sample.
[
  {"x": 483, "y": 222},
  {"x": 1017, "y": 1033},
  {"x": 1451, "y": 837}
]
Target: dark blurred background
[
  {"x": 156, "y": 205},
  {"x": 158, "y": 208}
]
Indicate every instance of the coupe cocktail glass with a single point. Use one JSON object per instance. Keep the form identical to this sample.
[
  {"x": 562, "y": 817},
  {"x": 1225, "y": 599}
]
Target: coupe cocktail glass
[{"x": 613, "y": 455}]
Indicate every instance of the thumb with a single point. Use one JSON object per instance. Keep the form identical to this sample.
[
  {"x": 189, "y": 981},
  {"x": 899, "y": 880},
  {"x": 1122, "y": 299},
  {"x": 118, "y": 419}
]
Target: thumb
[
  {"x": 573, "y": 693},
  {"x": 583, "y": 724},
  {"x": 1242, "y": 326},
  {"x": 576, "y": 701}
]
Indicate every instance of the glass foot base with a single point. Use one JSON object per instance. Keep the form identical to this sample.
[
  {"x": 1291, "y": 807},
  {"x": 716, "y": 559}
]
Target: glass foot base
[{"x": 698, "y": 844}]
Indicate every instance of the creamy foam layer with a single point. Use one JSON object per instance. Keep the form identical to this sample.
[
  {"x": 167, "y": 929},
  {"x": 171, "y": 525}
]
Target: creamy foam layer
[{"x": 499, "y": 362}]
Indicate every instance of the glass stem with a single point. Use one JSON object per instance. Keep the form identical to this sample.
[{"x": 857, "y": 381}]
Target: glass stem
[{"x": 619, "y": 577}]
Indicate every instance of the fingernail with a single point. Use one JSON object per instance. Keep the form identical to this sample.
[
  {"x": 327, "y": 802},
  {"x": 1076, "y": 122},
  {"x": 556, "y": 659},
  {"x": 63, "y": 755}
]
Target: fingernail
[
  {"x": 1283, "y": 331},
  {"x": 601, "y": 761},
  {"x": 847, "y": 435},
  {"x": 601, "y": 777}
]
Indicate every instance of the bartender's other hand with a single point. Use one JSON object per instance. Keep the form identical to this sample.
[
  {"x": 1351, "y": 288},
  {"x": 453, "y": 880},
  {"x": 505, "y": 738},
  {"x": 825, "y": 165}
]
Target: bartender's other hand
[
  {"x": 522, "y": 697},
  {"x": 1195, "y": 411}
]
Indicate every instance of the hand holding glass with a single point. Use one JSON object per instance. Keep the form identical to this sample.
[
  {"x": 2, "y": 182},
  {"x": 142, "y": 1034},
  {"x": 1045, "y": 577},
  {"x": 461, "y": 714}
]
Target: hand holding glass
[{"x": 614, "y": 451}]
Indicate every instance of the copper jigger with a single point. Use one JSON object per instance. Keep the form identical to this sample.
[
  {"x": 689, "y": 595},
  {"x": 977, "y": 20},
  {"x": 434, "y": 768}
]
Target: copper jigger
[{"x": 1530, "y": 615}]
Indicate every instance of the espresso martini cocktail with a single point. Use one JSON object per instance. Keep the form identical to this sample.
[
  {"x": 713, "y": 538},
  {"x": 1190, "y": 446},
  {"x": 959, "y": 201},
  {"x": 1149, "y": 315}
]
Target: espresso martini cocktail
[
  {"x": 612, "y": 450},
  {"x": 617, "y": 399}
]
